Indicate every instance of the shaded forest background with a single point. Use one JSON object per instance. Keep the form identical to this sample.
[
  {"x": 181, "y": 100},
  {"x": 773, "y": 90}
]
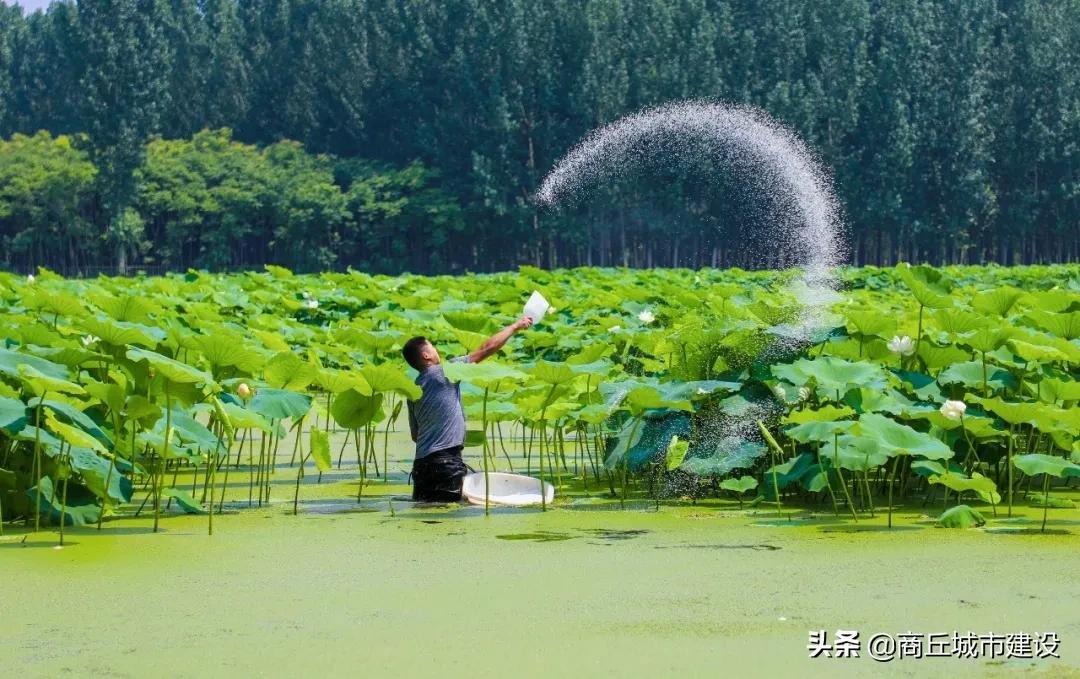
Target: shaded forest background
[{"x": 392, "y": 135}]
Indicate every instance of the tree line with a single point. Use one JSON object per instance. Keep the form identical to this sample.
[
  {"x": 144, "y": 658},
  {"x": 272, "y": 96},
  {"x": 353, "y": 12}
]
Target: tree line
[{"x": 398, "y": 135}]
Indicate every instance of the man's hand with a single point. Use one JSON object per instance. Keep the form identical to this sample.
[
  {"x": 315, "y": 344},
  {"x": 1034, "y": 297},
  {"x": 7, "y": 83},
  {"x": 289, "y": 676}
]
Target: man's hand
[{"x": 496, "y": 341}]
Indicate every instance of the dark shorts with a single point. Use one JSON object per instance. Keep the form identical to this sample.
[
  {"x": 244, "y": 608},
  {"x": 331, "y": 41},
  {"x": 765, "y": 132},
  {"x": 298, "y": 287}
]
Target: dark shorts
[{"x": 437, "y": 476}]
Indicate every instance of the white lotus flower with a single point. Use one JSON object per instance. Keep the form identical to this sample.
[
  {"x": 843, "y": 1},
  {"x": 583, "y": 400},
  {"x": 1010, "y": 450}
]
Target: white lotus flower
[
  {"x": 30, "y": 279},
  {"x": 312, "y": 304},
  {"x": 646, "y": 317},
  {"x": 615, "y": 329},
  {"x": 953, "y": 410},
  {"x": 780, "y": 393},
  {"x": 90, "y": 339},
  {"x": 702, "y": 392},
  {"x": 804, "y": 393},
  {"x": 305, "y": 294},
  {"x": 243, "y": 391},
  {"x": 904, "y": 346}
]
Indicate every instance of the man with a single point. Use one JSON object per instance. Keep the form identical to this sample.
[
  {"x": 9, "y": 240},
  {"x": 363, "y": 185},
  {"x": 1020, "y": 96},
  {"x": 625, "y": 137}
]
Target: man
[{"x": 437, "y": 418}]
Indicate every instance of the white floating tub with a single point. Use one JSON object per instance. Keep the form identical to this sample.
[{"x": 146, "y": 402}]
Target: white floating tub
[{"x": 506, "y": 489}]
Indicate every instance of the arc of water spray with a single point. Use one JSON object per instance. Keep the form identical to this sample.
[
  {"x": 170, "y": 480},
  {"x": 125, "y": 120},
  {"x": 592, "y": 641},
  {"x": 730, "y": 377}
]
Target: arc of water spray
[{"x": 784, "y": 161}]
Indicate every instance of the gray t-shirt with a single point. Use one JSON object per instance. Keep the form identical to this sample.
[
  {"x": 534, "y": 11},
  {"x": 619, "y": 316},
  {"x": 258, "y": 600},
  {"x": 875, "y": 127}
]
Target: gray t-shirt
[{"x": 437, "y": 418}]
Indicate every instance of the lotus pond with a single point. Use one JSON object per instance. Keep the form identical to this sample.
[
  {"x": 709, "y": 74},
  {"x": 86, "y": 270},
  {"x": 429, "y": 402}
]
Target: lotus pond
[
  {"x": 721, "y": 489},
  {"x": 586, "y": 586}
]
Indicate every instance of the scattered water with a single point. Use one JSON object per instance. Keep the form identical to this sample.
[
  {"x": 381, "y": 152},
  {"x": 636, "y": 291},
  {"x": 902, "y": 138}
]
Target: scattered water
[
  {"x": 769, "y": 161},
  {"x": 768, "y": 157}
]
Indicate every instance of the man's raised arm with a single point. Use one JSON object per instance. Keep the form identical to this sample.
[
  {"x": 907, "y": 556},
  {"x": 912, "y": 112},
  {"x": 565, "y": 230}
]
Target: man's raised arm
[{"x": 496, "y": 341}]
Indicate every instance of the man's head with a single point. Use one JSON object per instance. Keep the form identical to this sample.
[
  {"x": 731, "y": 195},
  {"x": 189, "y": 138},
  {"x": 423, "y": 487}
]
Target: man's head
[{"x": 420, "y": 353}]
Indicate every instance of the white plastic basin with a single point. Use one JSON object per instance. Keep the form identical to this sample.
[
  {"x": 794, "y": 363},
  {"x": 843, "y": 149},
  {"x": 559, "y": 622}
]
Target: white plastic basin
[{"x": 506, "y": 489}]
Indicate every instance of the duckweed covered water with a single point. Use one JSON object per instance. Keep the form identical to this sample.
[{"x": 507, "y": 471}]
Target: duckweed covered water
[{"x": 581, "y": 589}]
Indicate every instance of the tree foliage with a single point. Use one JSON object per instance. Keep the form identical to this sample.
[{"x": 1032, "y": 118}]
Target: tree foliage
[{"x": 952, "y": 128}]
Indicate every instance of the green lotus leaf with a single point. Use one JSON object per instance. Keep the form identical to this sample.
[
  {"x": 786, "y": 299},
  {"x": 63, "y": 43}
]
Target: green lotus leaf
[
  {"x": 984, "y": 487},
  {"x": 961, "y": 516},
  {"x": 1012, "y": 413},
  {"x": 957, "y": 322},
  {"x": 320, "y": 449},
  {"x": 169, "y": 368},
  {"x": 280, "y": 404},
  {"x": 70, "y": 357},
  {"x": 595, "y": 413},
  {"x": 1036, "y": 352},
  {"x": 676, "y": 453},
  {"x": 970, "y": 374},
  {"x": 242, "y": 418},
  {"x": 49, "y": 443},
  {"x": 119, "y": 333},
  {"x": 827, "y": 413},
  {"x": 642, "y": 440},
  {"x": 872, "y": 401},
  {"x": 696, "y": 390},
  {"x": 73, "y": 435},
  {"x": 552, "y": 373},
  {"x": 728, "y": 454},
  {"x": 894, "y": 438},
  {"x": 72, "y": 415},
  {"x": 793, "y": 470},
  {"x": 191, "y": 432},
  {"x": 127, "y": 307},
  {"x": 819, "y": 431},
  {"x": 111, "y": 394},
  {"x": 643, "y": 398},
  {"x": 138, "y": 407},
  {"x": 40, "y": 383},
  {"x": 628, "y": 437},
  {"x": 977, "y": 426},
  {"x": 488, "y": 374},
  {"x": 935, "y": 358},
  {"x": 1051, "y": 502},
  {"x": 338, "y": 381},
  {"x": 1053, "y": 389},
  {"x": 854, "y": 453},
  {"x": 1038, "y": 463},
  {"x": 183, "y": 498},
  {"x": 286, "y": 370},
  {"x": 53, "y": 302},
  {"x": 352, "y": 409},
  {"x": 96, "y": 470},
  {"x": 928, "y": 285},
  {"x": 590, "y": 353},
  {"x": 222, "y": 418},
  {"x": 480, "y": 323},
  {"x": 871, "y": 323},
  {"x": 928, "y": 468},
  {"x": 13, "y": 415},
  {"x": 81, "y": 509},
  {"x": 997, "y": 302},
  {"x": 497, "y": 411},
  {"x": 1064, "y": 325},
  {"x": 471, "y": 341},
  {"x": 832, "y": 374},
  {"x": 739, "y": 485},
  {"x": 225, "y": 349},
  {"x": 988, "y": 338}
]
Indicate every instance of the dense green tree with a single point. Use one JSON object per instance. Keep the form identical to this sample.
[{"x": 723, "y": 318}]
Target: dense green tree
[
  {"x": 45, "y": 202},
  {"x": 123, "y": 88},
  {"x": 951, "y": 131}
]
